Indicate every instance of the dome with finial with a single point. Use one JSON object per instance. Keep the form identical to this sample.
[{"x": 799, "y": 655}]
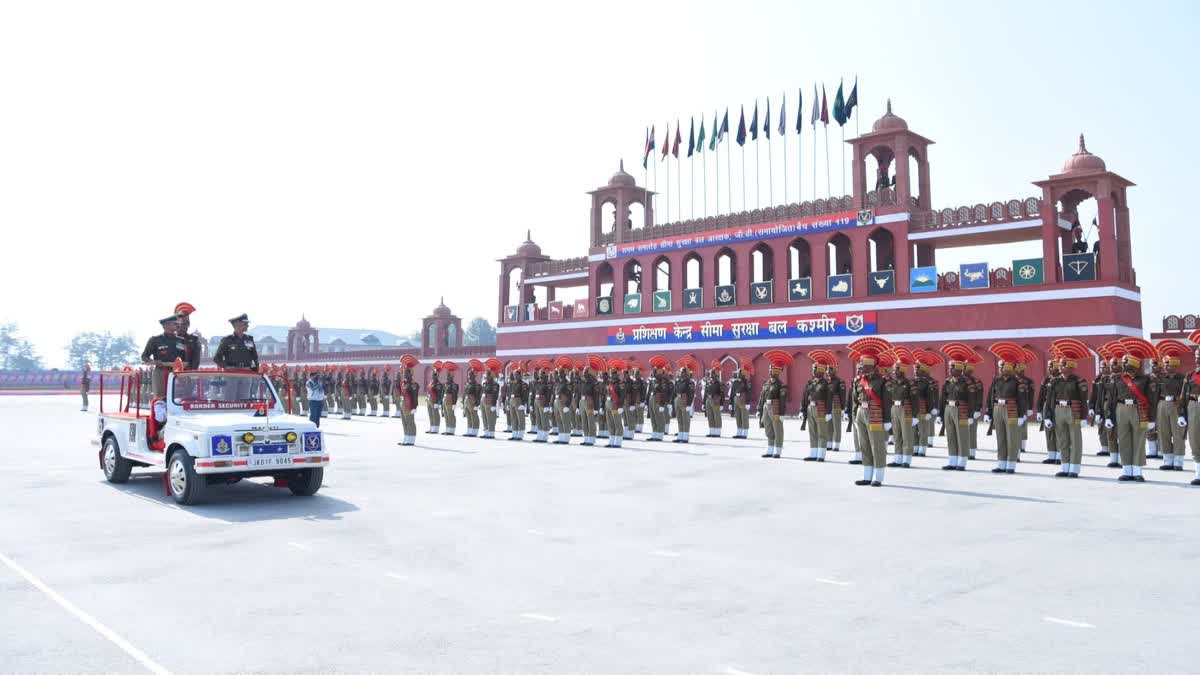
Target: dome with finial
[
  {"x": 441, "y": 310},
  {"x": 889, "y": 121},
  {"x": 621, "y": 179},
  {"x": 303, "y": 323},
  {"x": 1083, "y": 160},
  {"x": 529, "y": 249}
]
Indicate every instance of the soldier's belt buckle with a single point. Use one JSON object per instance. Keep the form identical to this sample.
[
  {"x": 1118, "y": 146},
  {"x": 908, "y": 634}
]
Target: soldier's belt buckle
[
  {"x": 1168, "y": 398},
  {"x": 1128, "y": 401},
  {"x": 1001, "y": 401},
  {"x": 1065, "y": 404}
]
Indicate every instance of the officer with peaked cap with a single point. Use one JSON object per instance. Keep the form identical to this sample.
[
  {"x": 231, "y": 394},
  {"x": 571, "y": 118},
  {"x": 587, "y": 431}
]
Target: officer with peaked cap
[
  {"x": 237, "y": 350},
  {"x": 161, "y": 352},
  {"x": 184, "y": 311}
]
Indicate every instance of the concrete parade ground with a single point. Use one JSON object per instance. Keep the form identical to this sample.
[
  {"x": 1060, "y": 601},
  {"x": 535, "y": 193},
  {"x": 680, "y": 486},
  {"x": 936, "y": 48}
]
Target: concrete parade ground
[{"x": 463, "y": 555}]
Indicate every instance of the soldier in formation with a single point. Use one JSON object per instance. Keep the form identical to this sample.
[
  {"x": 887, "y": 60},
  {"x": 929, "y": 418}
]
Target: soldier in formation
[
  {"x": 872, "y": 408},
  {"x": 85, "y": 385},
  {"x": 517, "y": 391},
  {"x": 406, "y": 403},
  {"x": 685, "y": 391},
  {"x": 433, "y": 400},
  {"x": 490, "y": 391},
  {"x": 739, "y": 399},
  {"x": 1007, "y": 400},
  {"x": 773, "y": 402},
  {"x": 714, "y": 399},
  {"x": 614, "y": 403},
  {"x": 449, "y": 398},
  {"x": 903, "y": 393},
  {"x": 1063, "y": 409},
  {"x": 471, "y": 397}
]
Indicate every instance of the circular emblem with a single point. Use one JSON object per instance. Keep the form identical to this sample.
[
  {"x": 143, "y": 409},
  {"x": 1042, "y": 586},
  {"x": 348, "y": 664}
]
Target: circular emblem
[{"x": 1027, "y": 272}]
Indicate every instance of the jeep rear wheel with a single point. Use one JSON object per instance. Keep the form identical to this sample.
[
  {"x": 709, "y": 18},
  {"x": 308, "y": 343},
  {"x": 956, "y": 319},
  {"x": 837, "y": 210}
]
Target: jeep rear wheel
[
  {"x": 116, "y": 467},
  {"x": 185, "y": 485},
  {"x": 308, "y": 483}
]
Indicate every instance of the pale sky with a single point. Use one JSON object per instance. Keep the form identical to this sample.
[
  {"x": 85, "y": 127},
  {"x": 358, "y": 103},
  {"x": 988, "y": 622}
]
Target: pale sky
[{"x": 354, "y": 161}]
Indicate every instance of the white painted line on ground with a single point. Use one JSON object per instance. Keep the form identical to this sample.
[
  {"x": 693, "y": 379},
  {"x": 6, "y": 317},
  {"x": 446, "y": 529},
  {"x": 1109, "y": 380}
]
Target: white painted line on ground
[
  {"x": 301, "y": 547},
  {"x": 137, "y": 654},
  {"x": 833, "y": 582},
  {"x": 397, "y": 577},
  {"x": 1067, "y": 622},
  {"x": 666, "y": 554},
  {"x": 537, "y": 532},
  {"x": 540, "y": 617},
  {"x": 735, "y": 671}
]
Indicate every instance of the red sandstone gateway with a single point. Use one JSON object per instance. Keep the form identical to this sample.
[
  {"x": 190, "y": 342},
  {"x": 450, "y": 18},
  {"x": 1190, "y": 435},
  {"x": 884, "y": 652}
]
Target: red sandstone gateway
[{"x": 823, "y": 273}]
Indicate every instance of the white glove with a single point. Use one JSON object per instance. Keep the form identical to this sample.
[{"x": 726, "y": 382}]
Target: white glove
[
  {"x": 521, "y": 408},
  {"x": 1108, "y": 424},
  {"x": 1029, "y": 413},
  {"x": 1020, "y": 420},
  {"x": 1182, "y": 422},
  {"x": 828, "y": 417},
  {"x": 546, "y": 410},
  {"x": 620, "y": 411},
  {"x": 928, "y": 417},
  {"x": 1039, "y": 417},
  {"x": 661, "y": 409},
  {"x": 916, "y": 421},
  {"x": 939, "y": 414},
  {"x": 987, "y": 419},
  {"x": 976, "y": 416},
  {"x": 1150, "y": 426},
  {"x": 495, "y": 409},
  {"x": 577, "y": 411},
  {"x": 566, "y": 411},
  {"x": 1091, "y": 412},
  {"x": 1049, "y": 424},
  {"x": 845, "y": 416},
  {"x": 887, "y": 426}
]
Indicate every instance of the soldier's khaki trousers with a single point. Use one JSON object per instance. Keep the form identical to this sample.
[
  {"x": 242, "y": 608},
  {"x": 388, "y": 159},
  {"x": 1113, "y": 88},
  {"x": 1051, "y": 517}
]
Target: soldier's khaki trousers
[
  {"x": 1008, "y": 435},
  {"x": 904, "y": 431},
  {"x": 773, "y": 424},
  {"x": 1131, "y": 436},
  {"x": 602, "y": 420},
  {"x": 408, "y": 420},
  {"x": 616, "y": 427},
  {"x": 1068, "y": 435},
  {"x": 489, "y": 416},
  {"x": 588, "y": 408},
  {"x": 516, "y": 415},
  {"x": 84, "y": 395},
  {"x": 817, "y": 434},
  {"x": 712, "y": 411},
  {"x": 640, "y": 414},
  {"x": 1170, "y": 436},
  {"x": 741, "y": 414},
  {"x": 1052, "y": 436},
  {"x": 631, "y": 419},
  {"x": 373, "y": 402},
  {"x": 924, "y": 429},
  {"x": 472, "y": 412},
  {"x": 346, "y": 405},
  {"x": 873, "y": 441},
  {"x": 434, "y": 411},
  {"x": 564, "y": 414},
  {"x": 973, "y": 428},
  {"x": 448, "y": 415},
  {"x": 1193, "y": 429},
  {"x": 834, "y": 432},
  {"x": 958, "y": 432},
  {"x": 657, "y": 416},
  {"x": 768, "y": 430},
  {"x": 384, "y": 403},
  {"x": 537, "y": 416},
  {"x": 683, "y": 413}
]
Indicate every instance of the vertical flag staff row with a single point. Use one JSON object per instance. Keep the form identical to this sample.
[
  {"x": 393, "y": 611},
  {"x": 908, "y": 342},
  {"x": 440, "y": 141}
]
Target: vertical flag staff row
[{"x": 843, "y": 108}]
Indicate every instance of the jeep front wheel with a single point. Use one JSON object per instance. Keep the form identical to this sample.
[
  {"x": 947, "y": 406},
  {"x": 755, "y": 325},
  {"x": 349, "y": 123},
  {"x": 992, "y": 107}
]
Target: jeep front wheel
[
  {"x": 116, "y": 467},
  {"x": 187, "y": 487},
  {"x": 307, "y": 484}
]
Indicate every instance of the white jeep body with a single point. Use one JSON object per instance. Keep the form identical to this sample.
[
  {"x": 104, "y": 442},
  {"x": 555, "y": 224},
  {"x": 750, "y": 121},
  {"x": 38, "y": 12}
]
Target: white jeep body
[{"x": 232, "y": 438}]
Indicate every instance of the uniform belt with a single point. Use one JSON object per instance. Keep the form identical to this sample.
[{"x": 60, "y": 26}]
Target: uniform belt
[
  {"x": 1129, "y": 401},
  {"x": 1001, "y": 401},
  {"x": 1065, "y": 404},
  {"x": 1168, "y": 398}
]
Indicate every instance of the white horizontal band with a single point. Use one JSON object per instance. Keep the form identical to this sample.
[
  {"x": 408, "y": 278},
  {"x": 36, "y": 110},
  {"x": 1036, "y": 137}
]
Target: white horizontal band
[{"x": 975, "y": 229}]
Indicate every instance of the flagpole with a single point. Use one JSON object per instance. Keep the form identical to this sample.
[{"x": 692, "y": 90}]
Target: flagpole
[
  {"x": 800, "y": 163},
  {"x": 843, "y": 160},
  {"x": 814, "y": 126},
  {"x": 655, "y": 200},
  {"x": 785, "y": 199},
  {"x": 828, "y": 189},
  {"x": 743, "y": 177},
  {"x": 757, "y": 168},
  {"x": 770, "y": 174},
  {"x": 679, "y": 185},
  {"x": 704, "y": 174},
  {"x": 728, "y": 179},
  {"x": 692, "y": 188},
  {"x": 668, "y": 181}
]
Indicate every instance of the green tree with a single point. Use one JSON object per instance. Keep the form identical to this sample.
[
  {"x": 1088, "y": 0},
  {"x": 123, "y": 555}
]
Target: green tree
[
  {"x": 479, "y": 332},
  {"x": 101, "y": 350},
  {"x": 16, "y": 353}
]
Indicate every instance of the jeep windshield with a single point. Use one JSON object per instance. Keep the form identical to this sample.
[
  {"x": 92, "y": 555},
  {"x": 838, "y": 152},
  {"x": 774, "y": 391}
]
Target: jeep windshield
[{"x": 221, "y": 391}]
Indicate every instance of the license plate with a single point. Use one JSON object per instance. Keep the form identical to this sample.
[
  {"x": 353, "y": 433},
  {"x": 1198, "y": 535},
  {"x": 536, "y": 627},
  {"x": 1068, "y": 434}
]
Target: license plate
[
  {"x": 271, "y": 449},
  {"x": 270, "y": 461}
]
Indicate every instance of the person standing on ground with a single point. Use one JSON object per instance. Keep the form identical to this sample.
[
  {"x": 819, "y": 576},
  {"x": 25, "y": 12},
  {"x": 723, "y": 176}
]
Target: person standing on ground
[
  {"x": 316, "y": 397},
  {"x": 85, "y": 385}
]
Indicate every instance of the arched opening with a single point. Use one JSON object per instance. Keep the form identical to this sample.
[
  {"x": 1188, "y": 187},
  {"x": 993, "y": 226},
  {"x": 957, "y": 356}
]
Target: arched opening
[
  {"x": 914, "y": 175},
  {"x": 431, "y": 338},
  {"x": 633, "y": 277},
  {"x": 726, "y": 267},
  {"x": 879, "y": 165},
  {"x": 608, "y": 216},
  {"x": 837, "y": 255},
  {"x": 881, "y": 249},
  {"x": 637, "y": 215},
  {"x": 512, "y": 294},
  {"x": 604, "y": 280},
  {"x": 1079, "y": 207},
  {"x": 662, "y": 274},
  {"x": 693, "y": 274},
  {"x": 762, "y": 263},
  {"x": 451, "y": 335},
  {"x": 799, "y": 259}
]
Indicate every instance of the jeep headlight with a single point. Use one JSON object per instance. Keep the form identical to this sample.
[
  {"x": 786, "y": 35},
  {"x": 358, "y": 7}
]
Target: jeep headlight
[
  {"x": 247, "y": 437},
  {"x": 290, "y": 437}
]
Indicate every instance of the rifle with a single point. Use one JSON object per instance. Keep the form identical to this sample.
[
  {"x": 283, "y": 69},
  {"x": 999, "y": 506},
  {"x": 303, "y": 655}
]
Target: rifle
[
  {"x": 849, "y": 423},
  {"x": 803, "y": 421},
  {"x": 942, "y": 431},
  {"x": 991, "y": 426}
]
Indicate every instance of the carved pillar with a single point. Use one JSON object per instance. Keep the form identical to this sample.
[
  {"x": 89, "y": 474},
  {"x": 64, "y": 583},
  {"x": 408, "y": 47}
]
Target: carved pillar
[
  {"x": 1124, "y": 254},
  {"x": 1110, "y": 255},
  {"x": 903, "y": 180},
  {"x": 820, "y": 269},
  {"x": 900, "y": 263},
  {"x": 1051, "y": 268}
]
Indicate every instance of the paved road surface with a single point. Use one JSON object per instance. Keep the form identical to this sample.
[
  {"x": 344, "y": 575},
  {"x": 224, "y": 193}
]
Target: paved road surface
[{"x": 471, "y": 556}]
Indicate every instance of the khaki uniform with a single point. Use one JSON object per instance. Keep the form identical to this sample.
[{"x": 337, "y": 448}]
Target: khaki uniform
[
  {"x": 1067, "y": 396},
  {"x": 385, "y": 394},
  {"x": 1045, "y": 395},
  {"x": 774, "y": 400},
  {"x": 588, "y": 391},
  {"x": 433, "y": 405},
  {"x": 873, "y": 413},
  {"x": 629, "y": 397},
  {"x": 471, "y": 396},
  {"x": 739, "y": 399},
  {"x": 837, "y": 399},
  {"x": 658, "y": 407},
  {"x": 614, "y": 404},
  {"x": 1129, "y": 410},
  {"x": 564, "y": 411},
  {"x": 518, "y": 400},
  {"x": 449, "y": 400},
  {"x": 901, "y": 392},
  {"x": 85, "y": 385},
  {"x": 816, "y": 404},
  {"x": 684, "y": 393},
  {"x": 955, "y": 408},
  {"x": 1008, "y": 399},
  {"x": 490, "y": 406},
  {"x": 1171, "y": 437},
  {"x": 406, "y": 404},
  {"x": 714, "y": 400}
]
